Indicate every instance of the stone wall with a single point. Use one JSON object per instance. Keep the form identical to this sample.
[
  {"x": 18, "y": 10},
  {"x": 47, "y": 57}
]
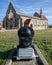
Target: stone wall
[{"x": 37, "y": 23}]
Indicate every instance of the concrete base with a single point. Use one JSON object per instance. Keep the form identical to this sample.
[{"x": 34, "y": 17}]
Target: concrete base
[{"x": 25, "y": 53}]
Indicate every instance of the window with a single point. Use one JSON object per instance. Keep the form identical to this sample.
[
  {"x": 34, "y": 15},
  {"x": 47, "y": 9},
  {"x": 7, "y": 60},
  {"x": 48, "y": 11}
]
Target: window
[
  {"x": 10, "y": 15},
  {"x": 36, "y": 22}
]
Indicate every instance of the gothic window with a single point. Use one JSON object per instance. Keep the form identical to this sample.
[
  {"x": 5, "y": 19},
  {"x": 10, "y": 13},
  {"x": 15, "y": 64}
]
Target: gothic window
[
  {"x": 11, "y": 12},
  {"x": 10, "y": 15}
]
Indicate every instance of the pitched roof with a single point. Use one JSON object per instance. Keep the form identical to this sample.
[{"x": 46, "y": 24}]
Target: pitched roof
[
  {"x": 36, "y": 15},
  {"x": 40, "y": 16},
  {"x": 44, "y": 18},
  {"x": 10, "y": 7},
  {"x": 26, "y": 15}
]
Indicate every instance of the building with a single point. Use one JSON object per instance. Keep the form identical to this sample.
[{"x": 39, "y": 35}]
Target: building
[
  {"x": 15, "y": 20},
  {"x": 0, "y": 26}
]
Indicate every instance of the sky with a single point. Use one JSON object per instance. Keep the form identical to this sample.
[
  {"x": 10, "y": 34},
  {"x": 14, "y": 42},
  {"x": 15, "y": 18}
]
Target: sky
[{"x": 28, "y": 7}]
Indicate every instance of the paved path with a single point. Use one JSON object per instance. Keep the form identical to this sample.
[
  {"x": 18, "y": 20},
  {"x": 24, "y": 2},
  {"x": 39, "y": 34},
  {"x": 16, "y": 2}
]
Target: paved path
[
  {"x": 29, "y": 62},
  {"x": 39, "y": 60}
]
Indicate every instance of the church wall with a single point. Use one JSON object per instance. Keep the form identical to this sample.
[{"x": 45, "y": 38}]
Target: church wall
[
  {"x": 46, "y": 24},
  {"x": 37, "y": 24},
  {"x": 23, "y": 19}
]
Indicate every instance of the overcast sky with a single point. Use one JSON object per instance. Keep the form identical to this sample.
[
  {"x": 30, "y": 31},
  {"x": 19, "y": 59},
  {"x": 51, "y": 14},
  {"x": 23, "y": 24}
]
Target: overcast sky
[{"x": 28, "y": 7}]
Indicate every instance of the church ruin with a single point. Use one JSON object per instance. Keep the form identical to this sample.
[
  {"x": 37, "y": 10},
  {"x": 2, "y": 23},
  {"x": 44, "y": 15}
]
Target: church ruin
[{"x": 15, "y": 20}]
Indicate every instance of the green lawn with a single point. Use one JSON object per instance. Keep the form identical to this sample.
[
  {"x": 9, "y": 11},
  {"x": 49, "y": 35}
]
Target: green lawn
[{"x": 42, "y": 38}]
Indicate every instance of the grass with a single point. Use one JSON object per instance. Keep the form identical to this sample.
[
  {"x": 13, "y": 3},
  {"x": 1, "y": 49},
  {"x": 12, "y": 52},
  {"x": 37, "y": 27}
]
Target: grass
[
  {"x": 42, "y": 38},
  {"x": 7, "y": 41}
]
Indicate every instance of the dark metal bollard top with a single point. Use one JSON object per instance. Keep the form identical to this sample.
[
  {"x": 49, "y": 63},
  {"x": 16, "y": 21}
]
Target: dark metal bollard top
[{"x": 25, "y": 35}]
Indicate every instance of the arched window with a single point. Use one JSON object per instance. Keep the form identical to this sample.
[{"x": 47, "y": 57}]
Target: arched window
[{"x": 10, "y": 15}]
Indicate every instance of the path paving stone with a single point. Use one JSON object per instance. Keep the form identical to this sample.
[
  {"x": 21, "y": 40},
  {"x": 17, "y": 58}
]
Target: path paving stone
[{"x": 27, "y": 62}]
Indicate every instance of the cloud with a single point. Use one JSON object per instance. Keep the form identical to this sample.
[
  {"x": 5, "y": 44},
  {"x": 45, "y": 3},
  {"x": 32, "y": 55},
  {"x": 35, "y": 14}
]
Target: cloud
[
  {"x": 37, "y": 4},
  {"x": 32, "y": 8},
  {"x": 48, "y": 10},
  {"x": 27, "y": 10},
  {"x": 49, "y": 17}
]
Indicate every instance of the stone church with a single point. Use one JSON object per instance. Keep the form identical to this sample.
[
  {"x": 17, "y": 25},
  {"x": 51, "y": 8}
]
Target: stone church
[{"x": 15, "y": 20}]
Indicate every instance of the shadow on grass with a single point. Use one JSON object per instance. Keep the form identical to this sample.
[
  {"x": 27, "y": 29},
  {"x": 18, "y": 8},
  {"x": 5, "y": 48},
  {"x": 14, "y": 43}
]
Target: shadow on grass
[{"x": 4, "y": 55}]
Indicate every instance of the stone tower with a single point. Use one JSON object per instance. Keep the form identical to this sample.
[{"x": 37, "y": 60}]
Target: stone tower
[{"x": 41, "y": 12}]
